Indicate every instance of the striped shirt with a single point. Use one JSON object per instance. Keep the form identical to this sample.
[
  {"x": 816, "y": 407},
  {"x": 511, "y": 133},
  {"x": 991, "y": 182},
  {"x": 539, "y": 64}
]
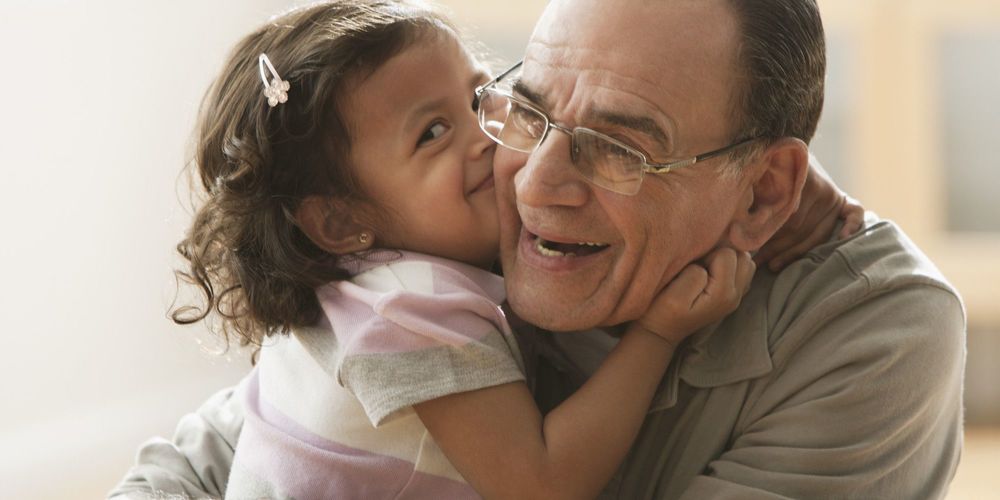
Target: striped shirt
[{"x": 329, "y": 409}]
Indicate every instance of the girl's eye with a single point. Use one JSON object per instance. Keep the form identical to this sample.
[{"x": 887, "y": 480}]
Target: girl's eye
[{"x": 433, "y": 132}]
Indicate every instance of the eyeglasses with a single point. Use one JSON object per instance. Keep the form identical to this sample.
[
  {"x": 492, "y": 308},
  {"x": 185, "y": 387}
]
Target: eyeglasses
[{"x": 517, "y": 124}]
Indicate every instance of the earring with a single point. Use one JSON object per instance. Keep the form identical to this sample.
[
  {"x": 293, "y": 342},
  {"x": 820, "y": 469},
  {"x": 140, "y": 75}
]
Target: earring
[{"x": 364, "y": 238}]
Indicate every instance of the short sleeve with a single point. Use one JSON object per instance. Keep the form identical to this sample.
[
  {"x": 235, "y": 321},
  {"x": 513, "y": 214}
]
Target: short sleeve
[
  {"x": 421, "y": 346},
  {"x": 868, "y": 407}
]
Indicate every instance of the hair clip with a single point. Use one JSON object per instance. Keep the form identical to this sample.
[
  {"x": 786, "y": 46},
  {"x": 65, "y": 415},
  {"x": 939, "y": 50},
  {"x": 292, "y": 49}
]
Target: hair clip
[{"x": 277, "y": 90}]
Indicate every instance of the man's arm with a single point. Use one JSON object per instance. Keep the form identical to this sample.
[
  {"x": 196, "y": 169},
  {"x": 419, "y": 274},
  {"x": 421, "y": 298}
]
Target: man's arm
[
  {"x": 868, "y": 406},
  {"x": 196, "y": 463}
]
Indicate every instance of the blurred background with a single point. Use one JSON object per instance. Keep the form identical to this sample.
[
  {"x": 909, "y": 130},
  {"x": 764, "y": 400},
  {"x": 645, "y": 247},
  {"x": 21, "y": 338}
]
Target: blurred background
[{"x": 98, "y": 100}]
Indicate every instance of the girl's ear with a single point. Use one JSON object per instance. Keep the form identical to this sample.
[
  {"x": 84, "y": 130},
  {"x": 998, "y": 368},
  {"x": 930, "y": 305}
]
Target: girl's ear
[
  {"x": 774, "y": 193},
  {"x": 332, "y": 227}
]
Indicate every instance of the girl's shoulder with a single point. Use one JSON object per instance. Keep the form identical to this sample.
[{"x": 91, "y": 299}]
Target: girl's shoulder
[{"x": 418, "y": 273}]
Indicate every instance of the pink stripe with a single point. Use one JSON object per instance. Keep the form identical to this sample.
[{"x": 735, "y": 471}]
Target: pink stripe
[
  {"x": 298, "y": 462},
  {"x": 406, "y": 321}
]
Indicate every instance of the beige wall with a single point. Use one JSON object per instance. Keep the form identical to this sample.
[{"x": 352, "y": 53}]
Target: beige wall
[{"x": 896, "y": 139}]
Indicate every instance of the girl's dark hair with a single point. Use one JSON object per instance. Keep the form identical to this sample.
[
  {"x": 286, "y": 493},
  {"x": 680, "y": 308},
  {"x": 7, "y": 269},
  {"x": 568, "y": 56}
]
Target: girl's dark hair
[{"x": 254, "y": 268}]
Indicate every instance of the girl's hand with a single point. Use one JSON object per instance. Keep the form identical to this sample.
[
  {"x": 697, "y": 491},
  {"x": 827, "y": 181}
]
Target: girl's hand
[
  {"x": 823, "y": 205},
  {"x": 699, "y": 295}
]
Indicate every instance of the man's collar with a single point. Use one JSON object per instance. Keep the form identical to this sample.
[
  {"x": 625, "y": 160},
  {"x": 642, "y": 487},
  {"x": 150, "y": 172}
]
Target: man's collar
[{"x": 726, "y": 352}]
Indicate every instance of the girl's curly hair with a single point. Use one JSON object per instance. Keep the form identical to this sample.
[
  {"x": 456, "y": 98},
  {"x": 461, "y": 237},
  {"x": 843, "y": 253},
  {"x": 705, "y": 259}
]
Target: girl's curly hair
[{"x": 254, "y": 268}]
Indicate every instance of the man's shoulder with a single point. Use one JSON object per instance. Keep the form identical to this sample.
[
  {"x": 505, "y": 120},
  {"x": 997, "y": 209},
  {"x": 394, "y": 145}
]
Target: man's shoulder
[
  {"x": 875, "y": 286},
  {"x": 841, "y": 276},
  {"x": 884, "y": 256},
  {"x": 878, "y": 258}
]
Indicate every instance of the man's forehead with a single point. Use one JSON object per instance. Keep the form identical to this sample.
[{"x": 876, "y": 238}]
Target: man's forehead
[
  {"x": 675, "y": 55},
  {"x": 641, "y": 31}
]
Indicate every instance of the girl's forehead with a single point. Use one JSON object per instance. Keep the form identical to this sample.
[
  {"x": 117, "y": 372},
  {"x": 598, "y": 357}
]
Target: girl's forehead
[
  {"x": 465, "y": 48},
  {"x": 434, "y": 73},
  {"x": 470, "y": 50}
]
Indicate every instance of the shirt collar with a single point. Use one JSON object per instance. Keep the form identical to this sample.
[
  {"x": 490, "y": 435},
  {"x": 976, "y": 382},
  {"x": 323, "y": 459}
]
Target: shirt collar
[{"x": 730, "y": 351}]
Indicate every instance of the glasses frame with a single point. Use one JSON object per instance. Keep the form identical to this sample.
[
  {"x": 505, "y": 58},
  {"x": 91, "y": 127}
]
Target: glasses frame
[{"x": 648, "y": 166}]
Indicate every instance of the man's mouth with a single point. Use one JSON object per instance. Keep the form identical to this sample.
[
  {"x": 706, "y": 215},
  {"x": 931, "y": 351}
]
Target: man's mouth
[{"x": 550, "y": 248}]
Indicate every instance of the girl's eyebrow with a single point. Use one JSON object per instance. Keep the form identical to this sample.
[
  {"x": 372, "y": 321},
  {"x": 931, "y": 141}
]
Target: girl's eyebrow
[
  {"x": 414, "y": 115},
  {"x": 412, "y": 118}
]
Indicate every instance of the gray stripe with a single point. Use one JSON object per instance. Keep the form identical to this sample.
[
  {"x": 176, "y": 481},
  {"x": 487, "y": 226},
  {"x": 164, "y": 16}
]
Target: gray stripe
[{"x": 387, "y": 382}]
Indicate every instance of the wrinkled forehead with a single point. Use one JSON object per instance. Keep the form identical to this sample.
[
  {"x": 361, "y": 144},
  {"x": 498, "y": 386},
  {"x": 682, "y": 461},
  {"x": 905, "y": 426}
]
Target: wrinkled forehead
[
  {"x": 677, "y": 57},
  {"x": 652, "y": 33}
]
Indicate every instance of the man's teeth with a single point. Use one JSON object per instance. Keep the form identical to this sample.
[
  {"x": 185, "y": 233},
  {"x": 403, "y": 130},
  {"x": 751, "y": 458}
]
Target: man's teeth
[
  {"x": 540, "y": 246},
  {"x": 548, "y": 252}
]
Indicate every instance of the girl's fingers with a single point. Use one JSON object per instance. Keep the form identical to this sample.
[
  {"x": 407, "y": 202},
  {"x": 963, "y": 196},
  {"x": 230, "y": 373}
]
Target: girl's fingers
[
  {"x": 745, "y": 269},
  {"x": 853, "y": 215},
  {"x": 820, "y": 233},
  {"x": 722, "y": 266},
  {"x": 687, "y": 285},
  {"x": 789, "y": 240},
  {"x": 788, "y": 234}
]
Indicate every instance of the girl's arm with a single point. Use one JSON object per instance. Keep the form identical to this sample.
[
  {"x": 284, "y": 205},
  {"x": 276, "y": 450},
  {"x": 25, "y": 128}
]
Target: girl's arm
[
  {"x": 499, "y": 441},
  {"x": 823, "y": 204}
]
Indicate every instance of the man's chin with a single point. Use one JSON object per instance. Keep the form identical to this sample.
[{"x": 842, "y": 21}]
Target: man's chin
[{"x": 554, "y": 317}]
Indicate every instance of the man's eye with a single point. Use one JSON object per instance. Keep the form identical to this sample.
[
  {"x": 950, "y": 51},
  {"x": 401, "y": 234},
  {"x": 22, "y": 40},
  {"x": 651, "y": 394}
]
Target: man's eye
[
  {"x": 433, "y": 132},
  {"x": 616, "y": 152},
  {"x": 527, "y": 121}
]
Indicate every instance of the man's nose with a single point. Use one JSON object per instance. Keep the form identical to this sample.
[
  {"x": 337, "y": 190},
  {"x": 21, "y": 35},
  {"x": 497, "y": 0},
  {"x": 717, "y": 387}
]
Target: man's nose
[{"x": 549, "y": 177}]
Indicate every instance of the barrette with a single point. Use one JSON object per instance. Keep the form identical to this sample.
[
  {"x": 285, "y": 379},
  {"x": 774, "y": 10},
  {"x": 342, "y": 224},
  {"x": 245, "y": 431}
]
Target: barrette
[{"x": 277, "y": 90}]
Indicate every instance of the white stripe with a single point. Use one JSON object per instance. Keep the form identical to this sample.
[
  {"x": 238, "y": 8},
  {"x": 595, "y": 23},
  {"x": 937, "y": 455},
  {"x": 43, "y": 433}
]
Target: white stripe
[
  {"x": 413, "y": 276},
  {"x": 295, "y": 384}
]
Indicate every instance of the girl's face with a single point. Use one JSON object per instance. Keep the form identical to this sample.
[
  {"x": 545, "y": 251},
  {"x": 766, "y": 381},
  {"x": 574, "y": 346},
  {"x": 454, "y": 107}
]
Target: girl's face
[{"x": 418, "y": 152}]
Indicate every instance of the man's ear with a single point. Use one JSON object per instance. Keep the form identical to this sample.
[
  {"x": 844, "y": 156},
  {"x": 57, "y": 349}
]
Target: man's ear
[
  {"x": 777, "y": 177},
  {"x": 332, "y": 227}
]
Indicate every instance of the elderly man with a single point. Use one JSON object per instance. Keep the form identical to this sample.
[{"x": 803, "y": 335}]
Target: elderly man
[{"x": 840, "y": 376}]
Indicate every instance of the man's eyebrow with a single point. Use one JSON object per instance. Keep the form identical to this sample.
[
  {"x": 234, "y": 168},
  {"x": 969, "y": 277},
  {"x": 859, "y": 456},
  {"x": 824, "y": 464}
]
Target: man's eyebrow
[
  {"x": 641, "y": 124},
  {"x": 521, "y": 88}
]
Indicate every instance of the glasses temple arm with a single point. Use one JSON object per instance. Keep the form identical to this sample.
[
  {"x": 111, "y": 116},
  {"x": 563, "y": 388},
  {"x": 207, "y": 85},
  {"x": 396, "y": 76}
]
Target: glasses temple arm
[
  {"x": 718, "y": 152},
  {"x": 501, "y": 76}
]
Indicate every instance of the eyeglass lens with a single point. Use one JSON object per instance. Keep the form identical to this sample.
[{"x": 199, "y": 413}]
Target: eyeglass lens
[
  {"x": 522, "y": 128},
  {"x": 607, "y": 164},
  {"x": 510, "y": 123}
]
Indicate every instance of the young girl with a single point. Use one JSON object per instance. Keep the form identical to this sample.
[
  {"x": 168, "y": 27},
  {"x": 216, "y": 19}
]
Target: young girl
[{"x": 348, "y": 227}]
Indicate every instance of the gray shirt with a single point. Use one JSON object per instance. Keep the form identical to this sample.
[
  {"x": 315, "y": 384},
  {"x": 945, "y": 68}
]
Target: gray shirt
[{"x": 840, "y": 377}]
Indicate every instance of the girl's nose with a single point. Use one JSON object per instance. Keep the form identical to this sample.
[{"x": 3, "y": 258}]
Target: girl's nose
[{"x": 481, "y": 145}]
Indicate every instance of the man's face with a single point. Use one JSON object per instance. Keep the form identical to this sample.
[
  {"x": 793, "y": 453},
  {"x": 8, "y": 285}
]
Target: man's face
[{"x": 658, "y": 76}]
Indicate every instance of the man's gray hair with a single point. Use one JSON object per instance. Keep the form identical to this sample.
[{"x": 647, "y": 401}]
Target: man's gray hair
[{"x": 782, "y": 58}]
